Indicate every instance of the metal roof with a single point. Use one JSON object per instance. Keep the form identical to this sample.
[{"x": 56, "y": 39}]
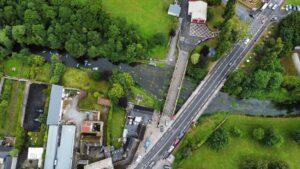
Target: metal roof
[
  {"x": 51, "y": 146},
  {"x": 66, "y": 147},
  {"x": 55, "y": 105},
  {"x": 174, "y": 9}
]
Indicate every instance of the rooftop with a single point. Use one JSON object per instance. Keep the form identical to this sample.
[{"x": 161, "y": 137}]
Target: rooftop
[
  {"x": 174, "y": 10},
  {"x": 103, "y": 164},
  {"x": 55, "y": 105},
  {"x": 36, "y": 153},
  {"x": 198, "y": 9}
]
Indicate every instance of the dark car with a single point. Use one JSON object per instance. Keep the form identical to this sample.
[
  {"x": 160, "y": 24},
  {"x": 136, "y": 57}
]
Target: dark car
[{"x": 167, "y": 167}]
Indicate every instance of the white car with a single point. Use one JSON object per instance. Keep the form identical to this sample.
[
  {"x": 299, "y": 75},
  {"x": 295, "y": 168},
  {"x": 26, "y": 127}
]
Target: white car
[
  {"x": 171, "y": 149},
  {"x": 246, "y": 41},
  {"x": 274, "y": 7},
  {"x": 270, "y": 5},
  {"x": 95, "y": 68}
]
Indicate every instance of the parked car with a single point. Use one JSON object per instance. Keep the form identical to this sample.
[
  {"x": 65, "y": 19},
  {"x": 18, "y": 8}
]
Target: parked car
[
  {"x": 246, "y": 41},
  {"x": 176, "y": 141},
  {"x": 270, "y": 5},
  {"x": 290, "y": 7},
  {"x": 167, "y": 167},
  {"x": 171, "y": 149},
  {"x": 161, "y": 128},
  {"x": 274, "y": 7}
]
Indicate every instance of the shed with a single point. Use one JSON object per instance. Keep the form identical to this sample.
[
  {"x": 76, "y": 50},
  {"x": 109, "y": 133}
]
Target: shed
[
  {"x": 103, "y": 101},
  {"x": 174, "y": 10},
  {"x": 36, "y": 153},
  {"x": 55, "y": 105}
]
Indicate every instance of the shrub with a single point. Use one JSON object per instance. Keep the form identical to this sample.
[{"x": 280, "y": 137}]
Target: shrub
[
  {"x": 236, "y": 132},
  {"x": 158, "y": 39},
  {"x": 95, "y": 75},
  {"x": 296, "y": 136},
  {"x": 218, "y": 140},
  {"x": 278, "y": 165},
  {"x": 258, "y": 134},
  {"x": 272, "y": 138}
]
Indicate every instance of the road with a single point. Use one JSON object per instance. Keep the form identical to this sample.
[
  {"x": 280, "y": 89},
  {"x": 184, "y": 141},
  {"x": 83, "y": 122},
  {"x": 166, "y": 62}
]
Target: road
[{"x": 212, "y": 83}]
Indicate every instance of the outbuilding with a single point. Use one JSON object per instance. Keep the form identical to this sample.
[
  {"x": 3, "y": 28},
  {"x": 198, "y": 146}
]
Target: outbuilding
[{"x": 174, "y": 10}]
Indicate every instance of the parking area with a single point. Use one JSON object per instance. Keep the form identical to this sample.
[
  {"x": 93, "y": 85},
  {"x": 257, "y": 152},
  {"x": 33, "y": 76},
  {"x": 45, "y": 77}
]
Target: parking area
[{"x": 35, "y": 107}]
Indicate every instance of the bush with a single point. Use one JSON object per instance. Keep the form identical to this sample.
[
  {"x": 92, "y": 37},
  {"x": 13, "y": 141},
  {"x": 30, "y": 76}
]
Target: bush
[
  {"x": 95, "y": 75},
  {"x": 236, "y": 132},
  {"x": 296, "y": 136},
  {"x": 272, "y": 138},
  {"x": 258, "y": 134},
  {"x": 218, "y": 140},
  {"x": 278, "y": 165},
  {"x": 158, "y": 39}
]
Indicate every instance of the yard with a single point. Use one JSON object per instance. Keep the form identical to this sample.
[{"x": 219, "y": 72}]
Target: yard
[
  {"x": 294, "y": 2},
  {"x": 215, "y": 19},
  {"x": 245, "y": 145},
  {"x": 147, "y": 99},
  {"x": 150, "y": 16},
  {"x": 116, "y": 125},
  {"x": 11, "y": 113}
]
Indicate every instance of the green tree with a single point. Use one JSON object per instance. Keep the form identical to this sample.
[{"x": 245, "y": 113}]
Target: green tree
[
  {"x": 195, "y": 58},
  {"x": 229, "y": 9},
  {"x": 296, "y": 136},
  {"x": 18, "y": 33},
  {"x": 236, "y": 132},
  {"x": 234, "y": 83},
  {"x": 158, "y": 39},
  {"x": 218, "y": 140},
  {"x": 38, "y": 60},
  {"x": 261, "y": 79},
  {"x": 272, "y": 138},
  {"x": 5, "y": 39},
  {"x": 116, "y": 92},
  {"x": 75, "y": 48},
  {"x": 275, "y": 80},
  {"x": 278, "y": 165},
  {"x": 258, "y": 134}
]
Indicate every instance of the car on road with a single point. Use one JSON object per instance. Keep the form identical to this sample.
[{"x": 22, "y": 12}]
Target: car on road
[
  {"x": 274, "y": 7},
  {"x": 246, "y": 41},
  {"x": 270, "y": 5},
  {"x": 176, "y": 141},
  {"x": 171, "y": 149},
  {"x": 152, "y": 164},
  {"x": 181, "y": 134},
  {"x": 167, "y": 167}
]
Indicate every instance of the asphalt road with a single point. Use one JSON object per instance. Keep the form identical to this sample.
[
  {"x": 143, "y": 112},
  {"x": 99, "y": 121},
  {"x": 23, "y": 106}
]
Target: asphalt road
[{"x": 211, "y": 84}]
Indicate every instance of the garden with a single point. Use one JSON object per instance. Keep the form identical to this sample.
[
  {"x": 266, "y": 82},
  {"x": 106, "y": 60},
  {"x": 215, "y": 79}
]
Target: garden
[{"x": 244, "y": 141}]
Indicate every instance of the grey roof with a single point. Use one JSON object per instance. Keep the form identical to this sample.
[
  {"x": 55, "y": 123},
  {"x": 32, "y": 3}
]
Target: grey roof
[
  {"x": 4, "y": 154},
  {"x": 55, "y": 104},
  {"x": 144, "y": 112},
  {"x": 51, "y": 147},
  {"x": 66, "y": 147},
  {"x": 174, "y": 9}
]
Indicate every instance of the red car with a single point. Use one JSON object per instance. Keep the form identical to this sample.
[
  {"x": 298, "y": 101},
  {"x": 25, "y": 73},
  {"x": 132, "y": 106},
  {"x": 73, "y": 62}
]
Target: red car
[{"x": 176, "y": 141}]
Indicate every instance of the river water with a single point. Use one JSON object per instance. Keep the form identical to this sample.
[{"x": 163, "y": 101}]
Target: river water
[{"x": 156, "y": 80}]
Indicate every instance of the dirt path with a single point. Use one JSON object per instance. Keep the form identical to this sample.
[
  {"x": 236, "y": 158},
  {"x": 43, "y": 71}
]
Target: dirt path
[{"x": 12, "y": 108}]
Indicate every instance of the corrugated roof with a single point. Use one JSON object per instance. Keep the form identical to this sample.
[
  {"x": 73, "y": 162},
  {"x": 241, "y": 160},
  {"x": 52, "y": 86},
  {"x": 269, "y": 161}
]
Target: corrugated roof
[
  {"x": 174, "y": 9},
  {"x": 65, "y": 150},
  {"x": 51, "y": 147},
  {"x": 55, "y": 105}
]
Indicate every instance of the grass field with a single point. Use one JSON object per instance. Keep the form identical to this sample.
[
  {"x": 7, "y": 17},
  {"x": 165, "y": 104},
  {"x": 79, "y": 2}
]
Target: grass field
[
  {"x": 289, "y": 66},
  {"x": 294, "y": 2},
  {"x": 206, "y": 158},
  {"x": 148, "y": 100},
  {"x": 11, "y": 116},
  {"x": 150, "y": 16},
  {"x": 117, "y": 125}
]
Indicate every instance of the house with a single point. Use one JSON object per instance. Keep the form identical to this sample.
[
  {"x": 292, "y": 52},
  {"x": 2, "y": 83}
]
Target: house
[
  {"x": 174, "y": 10},
  {"x": 103, "y": 164},
  {"x": 198, "y": 11},
  {"x": 103, "y": 102},
  {"x": 6, "y": 161}
]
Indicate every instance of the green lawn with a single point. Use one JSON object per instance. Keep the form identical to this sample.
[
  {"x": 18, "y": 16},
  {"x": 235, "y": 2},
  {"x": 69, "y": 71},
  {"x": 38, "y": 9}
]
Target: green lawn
[
  {"x": 78, "y": 78},
  {"x": 88, "y": 103},
  {"x": 20, "y": 69},
  {"x": 116, "y": 125},
  {"x": 294, "y": 2},
  {"x": 148, "y": 100},
  {"x": 151, "y": 17},
  {"x": 206, "y": 158}
]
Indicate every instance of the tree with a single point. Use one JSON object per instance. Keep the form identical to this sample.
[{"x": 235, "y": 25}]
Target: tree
[
  {"x": 229, "y": 9},
  {"x": 5, "y": 39},
  {"x": 38, "y": 60},
  {"x": 195, "y": 58},
  {"x": 96, "y": 75},
  {"x": 272, "y": 138},
  {"x": 234, "y": 83},
  {"x": 261, "y": 79},
  {"x": 214, "y": 2},
  {"x": 258, "y": 134},
  {"x": 275, "y": 80},
  {"x": 75, "y": 48},
  {"x": 278, "y": 165},
  {"x": 218, "y": 140},
  {"x": 116, "y": 92},
  {"x": 296, "y": 136},
  {"x": 18, "y": 33}
]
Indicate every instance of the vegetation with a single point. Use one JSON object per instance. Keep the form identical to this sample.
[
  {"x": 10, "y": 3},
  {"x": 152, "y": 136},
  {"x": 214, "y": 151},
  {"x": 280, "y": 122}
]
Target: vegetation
[
  {"x": 218, "y": 139},
  {"x": 48, "y": 24},
  {"x": 214, "y": 17},
  {"x": 116, "y": 125},
  {"x": 294, "y": 2},
  {"x": 150, "y": 17},
  {"x": 245, "y": 147},
  {"x": 265, "y": 77}
]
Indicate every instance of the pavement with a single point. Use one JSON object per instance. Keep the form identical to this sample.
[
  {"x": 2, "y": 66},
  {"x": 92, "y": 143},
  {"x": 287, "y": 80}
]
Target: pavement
[
  {"x": 197, "y": 102},
  {"x": 171, "y": 56}
]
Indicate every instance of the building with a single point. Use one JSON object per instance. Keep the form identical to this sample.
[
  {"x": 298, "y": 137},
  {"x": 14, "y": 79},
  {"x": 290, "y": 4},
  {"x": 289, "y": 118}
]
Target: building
[
  {"x": 60, "y": 145},
  {"x": 198, "y": 11},
  {"x": 174, "y": 10},
  {"x": 103, "y": 102},
  {"x": 103, "y": 164},
  {"x": 5, "y": 159},
  {"x": 55, "y": 105},
  {"x": 36, "y": 153}
]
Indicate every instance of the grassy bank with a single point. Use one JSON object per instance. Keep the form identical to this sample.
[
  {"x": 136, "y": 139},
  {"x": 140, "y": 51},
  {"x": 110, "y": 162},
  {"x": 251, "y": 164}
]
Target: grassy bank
[
  {"x": 239, "y": 147},
  {"x": 116, "y": 124}
]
